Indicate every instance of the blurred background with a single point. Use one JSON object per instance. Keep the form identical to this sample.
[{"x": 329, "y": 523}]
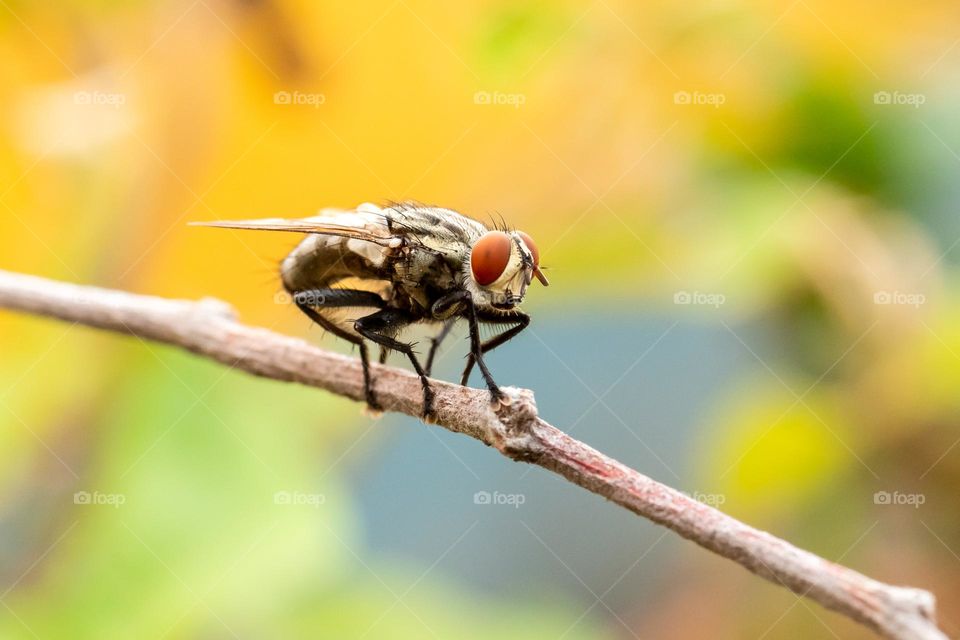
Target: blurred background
[{"x": 749, "y": 213}]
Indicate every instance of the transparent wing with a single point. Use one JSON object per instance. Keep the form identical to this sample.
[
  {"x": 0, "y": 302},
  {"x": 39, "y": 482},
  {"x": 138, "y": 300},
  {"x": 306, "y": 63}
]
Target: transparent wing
[
  {"x": 433, "y": 229},
  {"x": 365, "y": 223}
]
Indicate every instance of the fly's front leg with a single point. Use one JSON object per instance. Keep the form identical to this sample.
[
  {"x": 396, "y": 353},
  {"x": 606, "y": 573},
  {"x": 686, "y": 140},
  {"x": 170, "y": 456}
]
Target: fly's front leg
[
  {"x": 476, "y": 353},
  {"x": 520, "y": 321},
  {"x": 311, "y": 300},
  {"x": 380, "y": 327},
  {"x": 461, "y": 302}
]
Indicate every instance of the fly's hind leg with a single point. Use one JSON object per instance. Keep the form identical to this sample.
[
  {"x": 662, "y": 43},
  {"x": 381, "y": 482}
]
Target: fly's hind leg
[
  {"x": 311, "y": 300},
  {"x": 380, "y": 327}
]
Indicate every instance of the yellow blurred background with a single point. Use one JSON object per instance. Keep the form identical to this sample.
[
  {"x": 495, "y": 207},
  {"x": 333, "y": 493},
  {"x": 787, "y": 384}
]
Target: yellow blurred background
[{"x": 749, "y": 212}]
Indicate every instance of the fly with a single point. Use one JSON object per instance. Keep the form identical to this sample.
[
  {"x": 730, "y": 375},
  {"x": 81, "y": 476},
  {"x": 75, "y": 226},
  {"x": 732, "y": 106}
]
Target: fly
[{"x": 407, "y": 264}]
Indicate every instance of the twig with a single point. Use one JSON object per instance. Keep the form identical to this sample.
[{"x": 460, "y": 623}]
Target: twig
[{"x": 209, "y": 328}]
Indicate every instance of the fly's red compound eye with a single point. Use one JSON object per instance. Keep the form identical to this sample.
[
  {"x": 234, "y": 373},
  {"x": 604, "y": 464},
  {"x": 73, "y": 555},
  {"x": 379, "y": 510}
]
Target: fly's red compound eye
[
  {"x": 532, "y": 246},
  {"x": 490, "y": 256}
]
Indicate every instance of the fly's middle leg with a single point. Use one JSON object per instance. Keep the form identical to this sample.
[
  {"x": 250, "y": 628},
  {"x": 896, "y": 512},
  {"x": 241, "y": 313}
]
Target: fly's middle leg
[{"x": 435, "y": 343}]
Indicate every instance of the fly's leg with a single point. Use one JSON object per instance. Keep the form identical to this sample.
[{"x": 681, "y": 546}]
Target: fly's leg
[
  {"x": 435, "y": 343},
  {"x": 384, "y": 352},
  {"x": 461, "y": 303},
  {"x": 520, "y": 322},
  {"x": 311, "y": 300},
  {"x": 380, "y": 327},
  {"x": 476, "y": 353}
]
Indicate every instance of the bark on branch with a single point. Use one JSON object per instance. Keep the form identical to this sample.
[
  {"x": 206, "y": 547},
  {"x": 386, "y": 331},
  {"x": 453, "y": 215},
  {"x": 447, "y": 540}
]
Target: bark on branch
[{"x": 209, "y": 328}]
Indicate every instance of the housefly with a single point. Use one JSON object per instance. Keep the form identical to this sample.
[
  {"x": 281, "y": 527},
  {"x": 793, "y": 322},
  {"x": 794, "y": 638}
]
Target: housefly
[{"x": 404, "y": 264}]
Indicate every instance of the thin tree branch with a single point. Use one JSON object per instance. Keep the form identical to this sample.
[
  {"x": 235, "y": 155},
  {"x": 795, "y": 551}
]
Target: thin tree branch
[{"x": 209, "y": 328}]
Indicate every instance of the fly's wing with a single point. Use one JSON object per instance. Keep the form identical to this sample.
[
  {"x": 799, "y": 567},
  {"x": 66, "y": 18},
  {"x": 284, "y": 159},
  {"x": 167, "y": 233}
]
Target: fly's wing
[
  {"x": 366, "y": 223},
  {"x": 420, "y": 229}
]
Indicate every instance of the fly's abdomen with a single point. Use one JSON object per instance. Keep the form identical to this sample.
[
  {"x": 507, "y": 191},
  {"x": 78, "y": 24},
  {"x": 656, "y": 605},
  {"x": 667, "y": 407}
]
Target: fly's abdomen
[{"x": 321, "y": 261}]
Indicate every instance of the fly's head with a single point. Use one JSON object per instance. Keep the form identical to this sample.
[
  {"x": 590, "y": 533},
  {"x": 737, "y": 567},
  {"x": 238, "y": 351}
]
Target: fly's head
[{"x": 502, "y": 266}]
